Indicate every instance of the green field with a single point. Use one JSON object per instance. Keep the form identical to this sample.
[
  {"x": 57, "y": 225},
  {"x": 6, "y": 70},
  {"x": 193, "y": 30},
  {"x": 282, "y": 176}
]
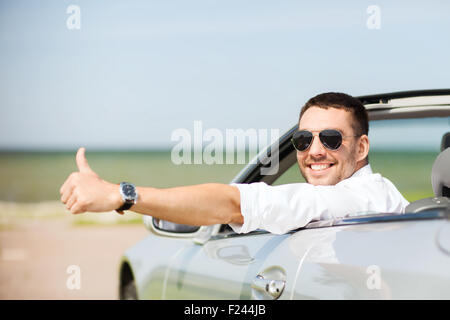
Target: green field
[{"x": 37, "y": 176}]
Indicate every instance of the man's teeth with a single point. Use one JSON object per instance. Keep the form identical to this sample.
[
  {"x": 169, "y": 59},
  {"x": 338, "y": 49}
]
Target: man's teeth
[{"x": 320, "y": 166}]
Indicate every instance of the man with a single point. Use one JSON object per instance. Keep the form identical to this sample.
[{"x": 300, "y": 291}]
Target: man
[{"x": 332, "y": 153}]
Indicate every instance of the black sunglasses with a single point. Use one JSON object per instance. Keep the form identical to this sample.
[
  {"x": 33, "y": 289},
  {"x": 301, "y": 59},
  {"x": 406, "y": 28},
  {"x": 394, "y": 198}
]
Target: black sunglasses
[{"x": 330, "y": 138}]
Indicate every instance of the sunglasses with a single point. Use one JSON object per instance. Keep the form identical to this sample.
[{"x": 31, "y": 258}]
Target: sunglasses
[{"x": 330, "y": 139}]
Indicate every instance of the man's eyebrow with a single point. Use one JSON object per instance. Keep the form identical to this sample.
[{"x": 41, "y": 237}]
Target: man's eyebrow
[{"x": 327, "y": 128}]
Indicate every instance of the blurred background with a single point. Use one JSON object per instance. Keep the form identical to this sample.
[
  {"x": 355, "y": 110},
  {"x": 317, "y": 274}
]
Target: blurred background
[{"x": 119, "y": 77}]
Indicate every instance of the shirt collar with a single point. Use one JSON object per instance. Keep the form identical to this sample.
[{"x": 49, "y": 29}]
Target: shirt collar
[{"x": 363, "y": 171}]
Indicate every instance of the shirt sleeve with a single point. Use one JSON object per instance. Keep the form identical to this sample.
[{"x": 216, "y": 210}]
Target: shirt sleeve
[{"x": 279, "y": 209}]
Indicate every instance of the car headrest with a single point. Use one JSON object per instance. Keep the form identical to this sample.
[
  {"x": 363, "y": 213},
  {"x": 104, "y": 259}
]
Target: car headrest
[
  {"x": 440, "y": 174},
  {"x": 445, "y": 143}
]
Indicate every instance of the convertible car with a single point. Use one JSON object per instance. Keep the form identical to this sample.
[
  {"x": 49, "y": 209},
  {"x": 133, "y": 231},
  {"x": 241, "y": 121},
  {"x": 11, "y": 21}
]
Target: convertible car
[{"x": 382, "y": 255}]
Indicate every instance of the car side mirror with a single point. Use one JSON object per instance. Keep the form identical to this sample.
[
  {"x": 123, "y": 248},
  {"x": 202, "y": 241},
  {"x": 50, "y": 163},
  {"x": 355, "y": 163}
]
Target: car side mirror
[
  {"x": 200, "y": 235},
  {"x": 167, "y": 228}
]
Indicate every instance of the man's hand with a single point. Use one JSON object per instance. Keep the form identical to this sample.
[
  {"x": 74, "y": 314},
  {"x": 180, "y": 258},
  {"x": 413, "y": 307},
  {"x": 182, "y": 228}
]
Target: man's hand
[
  {"x": 203, "y": 204},
  {"x": 84, "y": 190}
]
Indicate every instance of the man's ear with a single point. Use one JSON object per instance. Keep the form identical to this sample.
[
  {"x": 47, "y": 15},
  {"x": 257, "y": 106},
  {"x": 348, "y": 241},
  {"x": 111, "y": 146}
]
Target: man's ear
[{"x": 363, "y": 147}]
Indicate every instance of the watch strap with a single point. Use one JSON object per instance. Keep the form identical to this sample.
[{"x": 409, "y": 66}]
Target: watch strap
[{"x": 127, "y": 205}]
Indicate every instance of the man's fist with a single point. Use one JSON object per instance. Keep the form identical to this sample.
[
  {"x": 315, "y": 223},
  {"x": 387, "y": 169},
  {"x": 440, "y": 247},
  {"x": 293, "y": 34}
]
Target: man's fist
[{"x": 84, "y": 190}]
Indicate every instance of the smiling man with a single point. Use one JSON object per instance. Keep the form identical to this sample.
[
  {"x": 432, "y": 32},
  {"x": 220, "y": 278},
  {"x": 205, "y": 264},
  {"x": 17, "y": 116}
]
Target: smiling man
[
  {"x": 334, "y": 118},
  {"x": 332, "y": 153}
]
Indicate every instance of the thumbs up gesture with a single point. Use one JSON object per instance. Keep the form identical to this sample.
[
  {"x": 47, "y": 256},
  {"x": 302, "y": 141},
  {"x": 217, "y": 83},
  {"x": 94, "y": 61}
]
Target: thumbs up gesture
[
  {"x": 82, "y": 163},
  {"x": 85, "y": 191}
]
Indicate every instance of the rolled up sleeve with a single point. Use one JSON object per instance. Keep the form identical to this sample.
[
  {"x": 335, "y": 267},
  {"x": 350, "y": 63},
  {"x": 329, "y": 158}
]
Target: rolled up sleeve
[{"x": 279, "y": 209}]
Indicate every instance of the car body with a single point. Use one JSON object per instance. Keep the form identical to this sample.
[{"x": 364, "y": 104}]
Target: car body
[{"x": 373, "y": 256}]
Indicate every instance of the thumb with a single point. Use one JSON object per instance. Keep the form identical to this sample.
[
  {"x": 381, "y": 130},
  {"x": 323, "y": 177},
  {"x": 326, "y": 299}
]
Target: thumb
[{"x": 82, "y": 163}]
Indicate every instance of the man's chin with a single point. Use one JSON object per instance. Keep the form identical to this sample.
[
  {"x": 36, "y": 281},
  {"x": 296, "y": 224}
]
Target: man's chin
[{"x": 320, "y": 181}]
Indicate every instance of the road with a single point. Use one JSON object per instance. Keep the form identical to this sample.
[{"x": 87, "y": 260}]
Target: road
[{"x": 35, "y": 257}]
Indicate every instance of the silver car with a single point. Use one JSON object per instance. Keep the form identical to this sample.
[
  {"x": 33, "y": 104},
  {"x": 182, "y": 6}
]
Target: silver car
[{"x": 372, "y": 256}]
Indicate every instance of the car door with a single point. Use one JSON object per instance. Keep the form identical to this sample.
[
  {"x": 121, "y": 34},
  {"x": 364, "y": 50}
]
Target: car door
[
  {"x": 232, "y": 266},
  {"x": 381, "y": 257}
]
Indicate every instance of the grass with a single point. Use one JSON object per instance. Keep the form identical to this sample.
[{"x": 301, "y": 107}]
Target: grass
[
  {"x": 35, "y": 177},
  {"x": 30, "y": 181},
  {"x": 13, "y": 214}
]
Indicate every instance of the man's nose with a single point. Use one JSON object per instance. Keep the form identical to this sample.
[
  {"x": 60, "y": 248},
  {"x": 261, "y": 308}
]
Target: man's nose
[{"x": 317, "y": 149}]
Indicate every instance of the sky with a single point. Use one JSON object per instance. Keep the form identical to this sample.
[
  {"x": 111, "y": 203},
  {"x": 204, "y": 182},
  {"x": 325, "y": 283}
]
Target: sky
[{"x": 136, "y": 71}]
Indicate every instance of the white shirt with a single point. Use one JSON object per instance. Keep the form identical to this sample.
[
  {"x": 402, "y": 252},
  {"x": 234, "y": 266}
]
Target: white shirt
[{"x": 279, "y": 209}]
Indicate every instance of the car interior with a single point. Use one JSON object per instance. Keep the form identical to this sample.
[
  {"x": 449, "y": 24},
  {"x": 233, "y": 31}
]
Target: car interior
[{"x": 440, "y": 180}]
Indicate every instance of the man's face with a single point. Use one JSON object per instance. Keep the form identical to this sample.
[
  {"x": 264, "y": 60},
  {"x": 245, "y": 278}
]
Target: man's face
[{"x": 319, "y": 165}]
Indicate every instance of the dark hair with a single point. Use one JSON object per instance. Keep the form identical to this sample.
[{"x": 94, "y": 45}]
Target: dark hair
[{"x": 344, "y": 101}]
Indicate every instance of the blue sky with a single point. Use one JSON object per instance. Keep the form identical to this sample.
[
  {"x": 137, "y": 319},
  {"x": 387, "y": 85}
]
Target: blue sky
[{"x": 137, "y": 70}]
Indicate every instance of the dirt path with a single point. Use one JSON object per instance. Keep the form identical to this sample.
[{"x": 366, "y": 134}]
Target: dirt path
[{"x": 34, "y": 259}]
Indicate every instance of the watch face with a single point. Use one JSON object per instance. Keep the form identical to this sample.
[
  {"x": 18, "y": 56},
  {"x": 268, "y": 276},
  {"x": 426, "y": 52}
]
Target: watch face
[{"x": 129, "y": 191}]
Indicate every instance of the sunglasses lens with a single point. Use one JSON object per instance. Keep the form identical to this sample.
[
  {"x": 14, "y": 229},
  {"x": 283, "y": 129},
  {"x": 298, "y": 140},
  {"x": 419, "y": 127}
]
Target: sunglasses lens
[
  {"x": 302, "y": 140},
  {"x": 331, "y": 139}
]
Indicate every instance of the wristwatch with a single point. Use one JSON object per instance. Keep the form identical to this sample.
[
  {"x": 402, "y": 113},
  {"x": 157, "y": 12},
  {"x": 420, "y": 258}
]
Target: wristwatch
[{"x": 129, "y": 196}]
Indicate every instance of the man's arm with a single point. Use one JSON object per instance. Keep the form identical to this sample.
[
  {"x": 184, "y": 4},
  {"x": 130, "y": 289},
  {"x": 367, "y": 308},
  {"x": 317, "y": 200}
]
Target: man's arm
[{"x": 204, "y": 204}]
